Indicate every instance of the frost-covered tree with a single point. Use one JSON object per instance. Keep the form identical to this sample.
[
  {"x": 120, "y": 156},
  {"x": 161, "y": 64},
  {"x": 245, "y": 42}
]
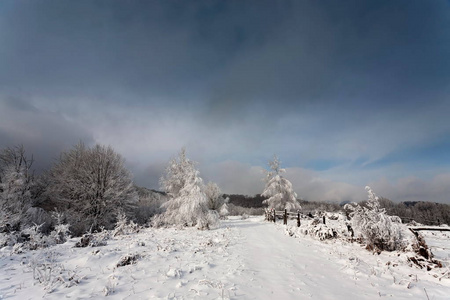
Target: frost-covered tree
[
  {"x": 188, "y": 204},
  {"x": 16, "y": 181},
  {"x": 379, "y": 230},
  {"x": 224, "y": 210},
  {"x": 92, "y": 185},
  {"x": 176, "y": 174},
  {"x": 279, "y": 189},
  {"x": 214, "y": 195}
]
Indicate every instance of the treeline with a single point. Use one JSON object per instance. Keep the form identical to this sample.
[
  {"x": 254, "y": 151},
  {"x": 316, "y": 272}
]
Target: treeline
[
  {"x": 87, "y": 187},
  {"x": 428, "y": 213},
  {"x": 255, "y": 201}
]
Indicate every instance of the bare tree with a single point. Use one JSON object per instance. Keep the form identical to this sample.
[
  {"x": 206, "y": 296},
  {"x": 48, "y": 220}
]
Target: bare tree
[
  {"x": 214, "y": 196},
  {"x": 93, "y": 185},
  {"x": 16, "y": 180}
]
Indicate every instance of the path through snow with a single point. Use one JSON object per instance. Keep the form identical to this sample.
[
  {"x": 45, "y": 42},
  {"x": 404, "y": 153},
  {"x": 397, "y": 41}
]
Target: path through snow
[{"x": 287, "y": 268}]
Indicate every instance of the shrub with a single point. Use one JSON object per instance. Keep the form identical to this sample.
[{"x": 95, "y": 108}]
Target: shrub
[{"x": 378, "y": 230}]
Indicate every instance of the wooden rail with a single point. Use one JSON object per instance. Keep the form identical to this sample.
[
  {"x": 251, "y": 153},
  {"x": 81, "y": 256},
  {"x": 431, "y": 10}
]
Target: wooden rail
[
  {"x": 434, "y": 228},
  {"x": 272, "y": 214}
]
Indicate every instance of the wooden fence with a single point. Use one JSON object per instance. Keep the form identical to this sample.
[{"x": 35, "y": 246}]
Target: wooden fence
[
  {"x": 272, "y": 214},
  {"x": 428, "y": 228}
]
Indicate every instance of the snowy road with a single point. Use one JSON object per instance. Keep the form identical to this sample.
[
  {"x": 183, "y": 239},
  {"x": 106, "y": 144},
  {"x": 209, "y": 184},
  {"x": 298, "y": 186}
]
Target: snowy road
[{"x": 281, "y": 267}]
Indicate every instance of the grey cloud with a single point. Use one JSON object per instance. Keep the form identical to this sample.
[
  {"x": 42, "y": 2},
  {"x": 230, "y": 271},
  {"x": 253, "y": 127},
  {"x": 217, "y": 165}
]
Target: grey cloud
[
  {"x": 43, "y": 133},
  {"x": 309, "y": 185},
  {"x": 237, "y": 177},
  {"x": 148, "y": 175},
  {"x": 411, "y": 188}
]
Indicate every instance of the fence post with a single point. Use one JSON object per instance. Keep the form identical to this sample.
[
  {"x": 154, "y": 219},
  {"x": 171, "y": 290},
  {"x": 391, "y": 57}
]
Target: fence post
[
  {"x": 285, "y": 217},
  {"x": 323, "y": 219},
  {"x": 274, "y": 215},
  {"x": 298, "y": 218}
]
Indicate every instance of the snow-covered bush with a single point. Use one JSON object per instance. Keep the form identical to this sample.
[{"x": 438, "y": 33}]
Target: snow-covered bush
[
  {"x": 235, "y": 210},
  {"x": 188, "y": 204},
  {"x": 37, "y": 215},
  {"x": 279, "y": 189},
  {"x": 94, "y": 239},
  {"x": 378, "y": 230},
  {"x": 213, "y": 218},
  {"x": 123, "y": 226},
  {"x": 60, "y": 234},
  {"x": 31, "y": 238},
  {"x": 61, "y": 231},
  {"x": 322, "y": 232},
  {"x": 315, "y": 229},
  {"x": 9, "y": 239},
  {"x": 34, "y": 239}
]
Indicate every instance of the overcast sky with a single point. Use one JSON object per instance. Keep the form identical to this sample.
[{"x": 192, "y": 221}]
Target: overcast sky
[{"x": 346, "y": 93}]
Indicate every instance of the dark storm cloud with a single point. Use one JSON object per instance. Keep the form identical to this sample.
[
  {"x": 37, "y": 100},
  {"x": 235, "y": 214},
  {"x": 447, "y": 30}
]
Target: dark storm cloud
[
  {"x": 304, "y": 53},
  {"x": 348, "y": 55},
  {"x": 89, "y": 48}
]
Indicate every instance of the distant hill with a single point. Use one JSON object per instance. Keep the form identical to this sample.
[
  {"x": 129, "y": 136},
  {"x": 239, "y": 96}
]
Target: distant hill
[
  {"x": 246, "y": 201},
  {"x": 143, "y": 191},
  {"x": 149, "y": 203},
  {"x": 256, "y": 202},
  {"x": 428, "y": 213}
]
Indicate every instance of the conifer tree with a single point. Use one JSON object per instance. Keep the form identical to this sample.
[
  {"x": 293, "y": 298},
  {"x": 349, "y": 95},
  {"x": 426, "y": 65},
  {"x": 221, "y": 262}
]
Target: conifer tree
[
  {"x": 188, "y": 204},
  {"x": 279, "y": 189}
]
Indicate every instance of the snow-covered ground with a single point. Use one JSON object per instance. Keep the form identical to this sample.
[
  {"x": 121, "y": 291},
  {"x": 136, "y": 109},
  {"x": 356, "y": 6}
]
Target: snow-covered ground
[
  {"x": 439, "y": 243},
  {"x": 243, "y": 259}
]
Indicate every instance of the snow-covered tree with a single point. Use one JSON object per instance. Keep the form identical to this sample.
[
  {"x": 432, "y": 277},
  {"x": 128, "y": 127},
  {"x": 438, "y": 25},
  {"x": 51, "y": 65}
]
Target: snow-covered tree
[
  {"x": 214, "y": 195},
  {"x": 379, "y": 230},
  {"x": 92, "y": 184},
  {"x": 188, "y": 204},
  {"x": 175, "y": 178},
  {"x": 16, "y": 181},
  {"x": 224, "y": 210},
  {"x": 279, "y": 189}
]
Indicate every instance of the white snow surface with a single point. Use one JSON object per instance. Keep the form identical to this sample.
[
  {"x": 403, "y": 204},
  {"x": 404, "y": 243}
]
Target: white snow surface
[{"x": 242, "y": 259}]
